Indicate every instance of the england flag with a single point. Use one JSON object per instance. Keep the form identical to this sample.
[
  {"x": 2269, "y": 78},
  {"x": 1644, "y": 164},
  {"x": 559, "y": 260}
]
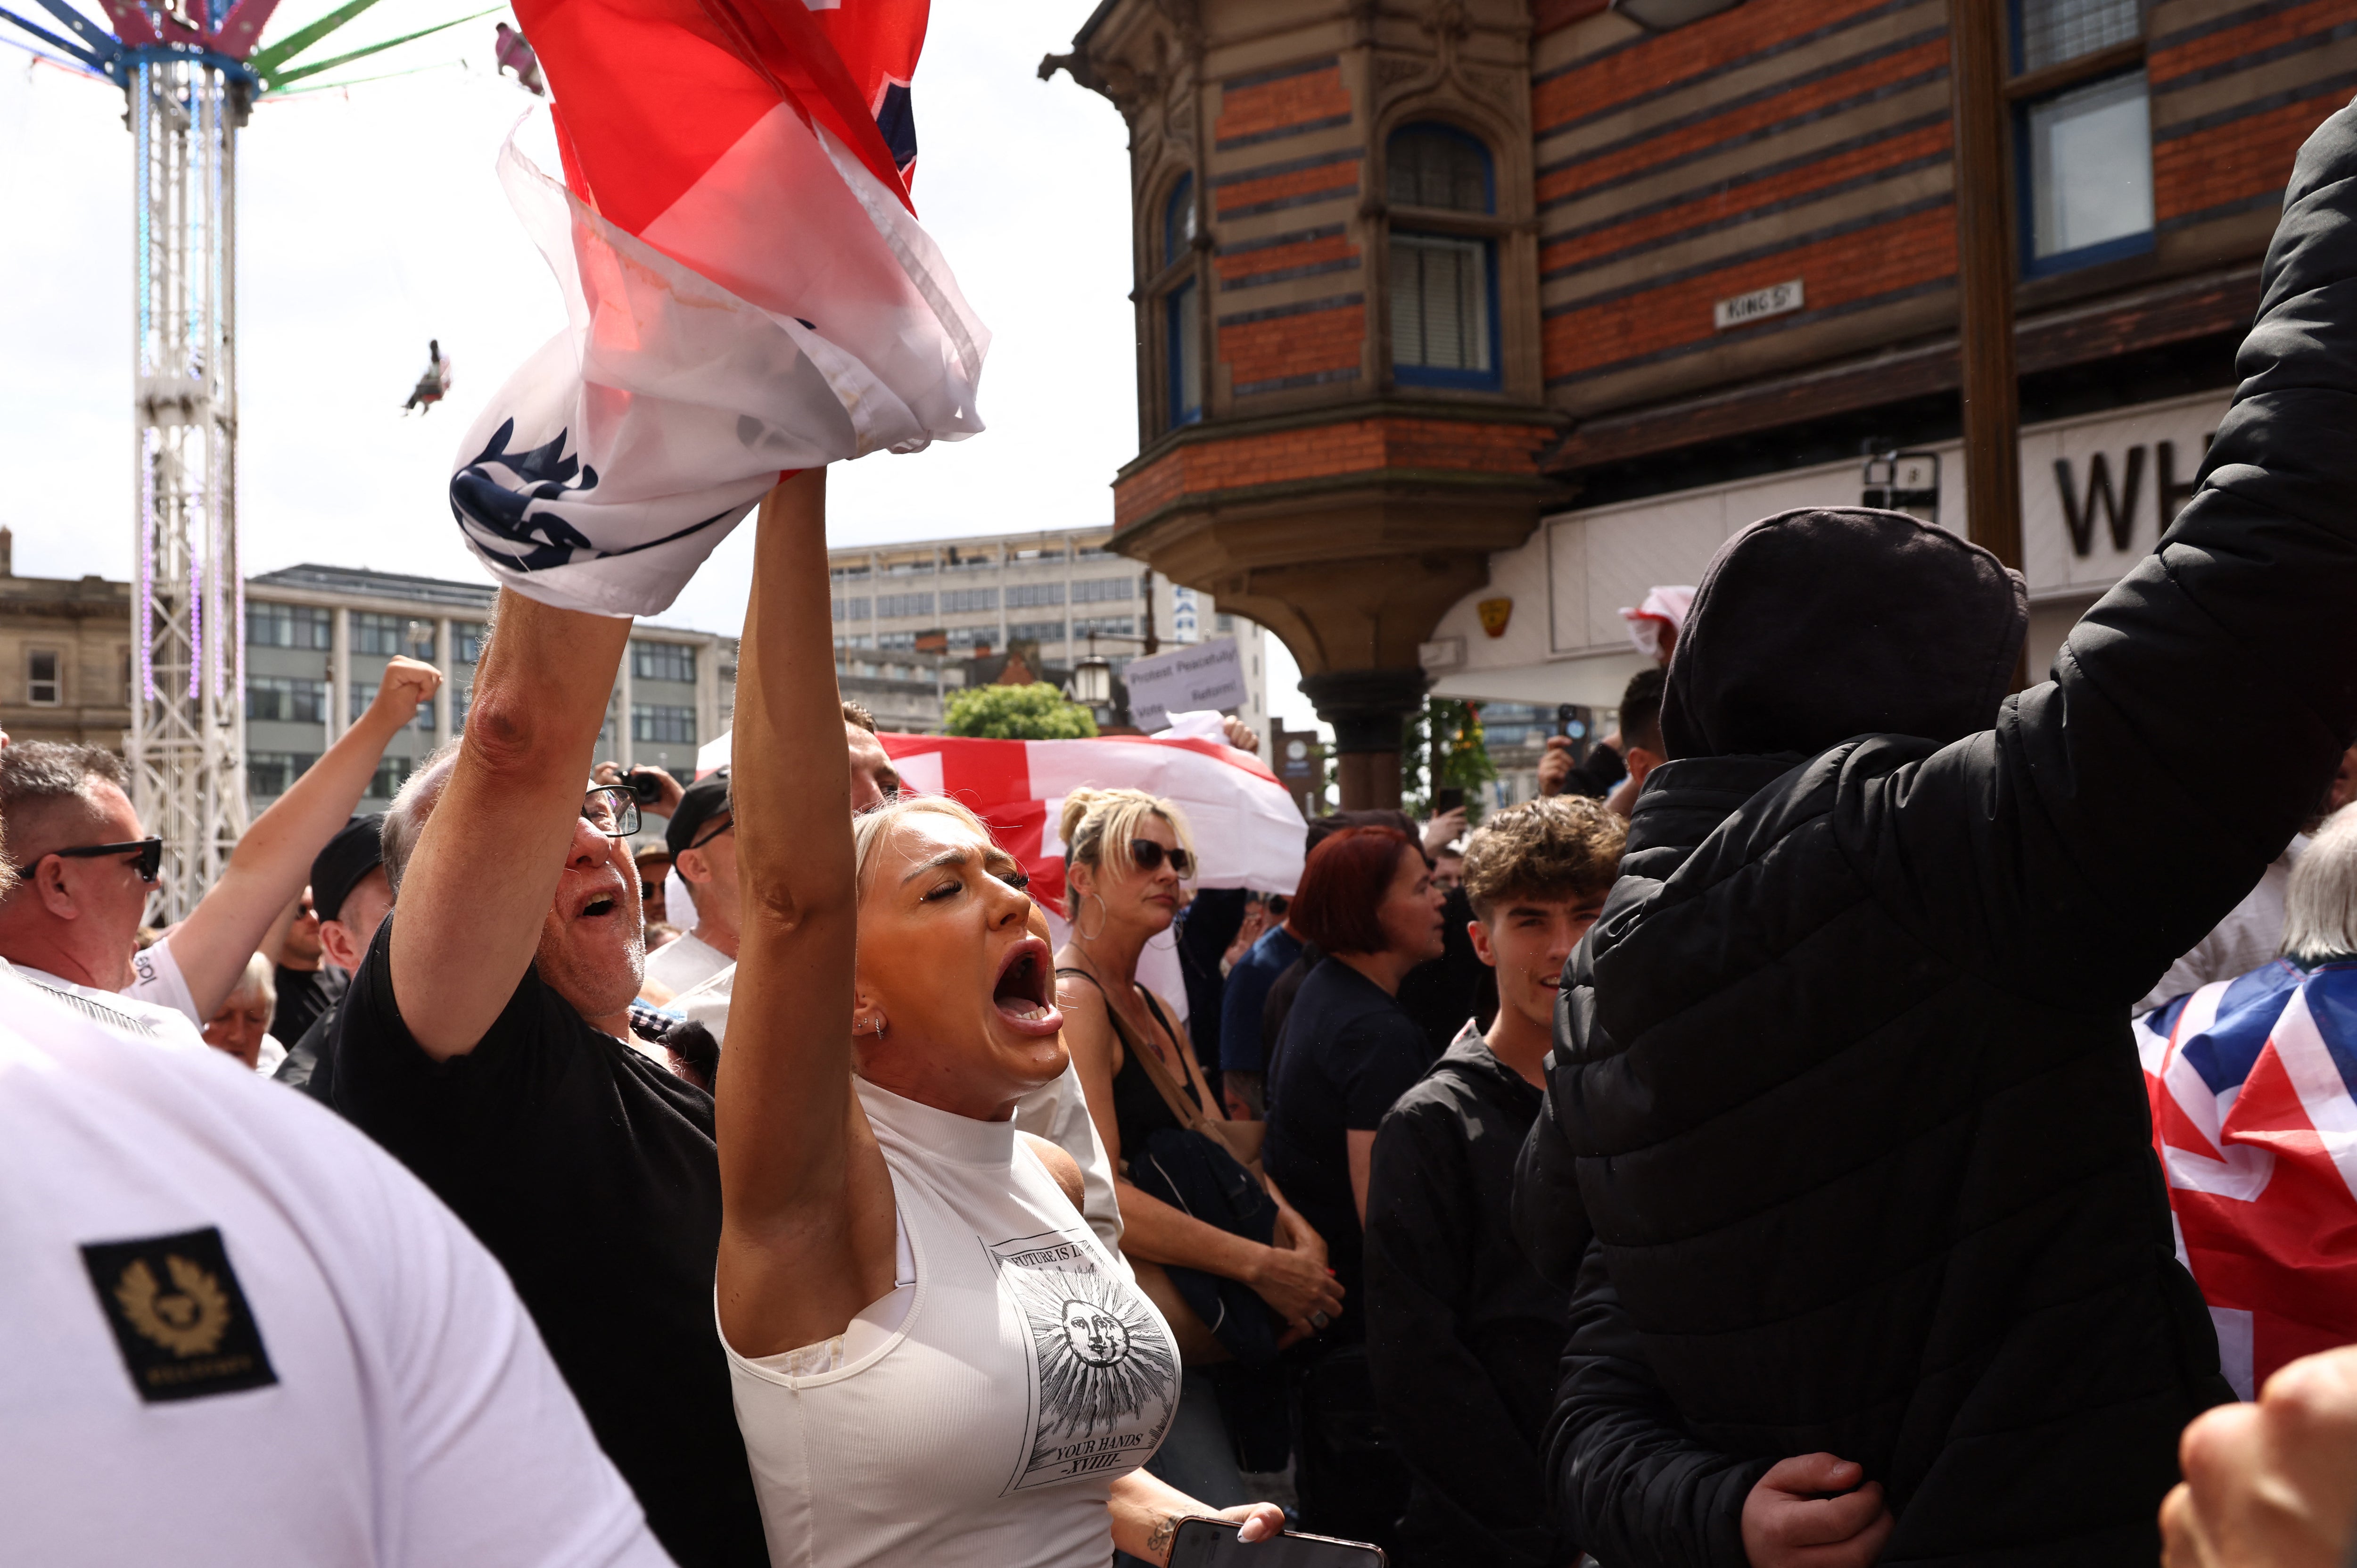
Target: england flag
[
  {"x": 2256, "y": 1124},
  {"x": 748, "y": 289}
]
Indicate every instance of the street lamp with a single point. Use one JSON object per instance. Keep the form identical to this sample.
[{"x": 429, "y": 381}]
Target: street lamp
[{"x": 1092, "y": 678}]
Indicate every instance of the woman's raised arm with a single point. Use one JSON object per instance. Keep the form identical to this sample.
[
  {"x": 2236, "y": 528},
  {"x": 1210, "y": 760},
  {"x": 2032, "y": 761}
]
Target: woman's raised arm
[{"x": 806, "y": 1231}]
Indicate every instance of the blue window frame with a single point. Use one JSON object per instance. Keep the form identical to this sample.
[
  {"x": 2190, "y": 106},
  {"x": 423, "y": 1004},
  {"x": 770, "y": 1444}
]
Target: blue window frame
[
  {"x": 1444, "y": 287},
  {"x": 1431, "y": 164},
  {"x": 1179, "y": 220},
  {"x": 2084, "y": 156},
  {"x": 1182, "y": 323}
]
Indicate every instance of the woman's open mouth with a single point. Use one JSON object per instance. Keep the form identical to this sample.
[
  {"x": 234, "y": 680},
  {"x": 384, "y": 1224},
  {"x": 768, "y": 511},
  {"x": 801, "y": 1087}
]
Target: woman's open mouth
[{"x": 1025, "y": 994}]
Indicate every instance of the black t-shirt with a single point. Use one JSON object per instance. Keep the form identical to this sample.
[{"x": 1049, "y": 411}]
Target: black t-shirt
[
  {"x": 1348, "y": 1053},
  {"x": 303, "y": 995},
  {"x": 591, "y": 1174}
]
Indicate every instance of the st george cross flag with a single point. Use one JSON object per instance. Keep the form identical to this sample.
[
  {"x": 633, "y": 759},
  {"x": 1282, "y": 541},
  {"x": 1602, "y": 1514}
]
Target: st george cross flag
[
  {"x": 2256, "y": 1126},
  {"x": 748, "y": 291},
  {"x": 1244, "y": 825}
]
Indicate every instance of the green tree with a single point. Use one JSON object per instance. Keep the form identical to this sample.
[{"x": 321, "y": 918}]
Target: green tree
[
  {"x": 1444, "y": 743},
  {"x": 1037, "y": 712}
]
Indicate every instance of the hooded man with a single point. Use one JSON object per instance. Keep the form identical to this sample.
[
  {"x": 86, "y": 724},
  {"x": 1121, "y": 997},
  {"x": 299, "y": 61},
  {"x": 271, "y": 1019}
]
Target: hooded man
[{"x": 1844, "y": 1094}]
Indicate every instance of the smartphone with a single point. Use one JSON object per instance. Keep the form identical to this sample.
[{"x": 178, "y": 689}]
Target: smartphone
[
  {"x": 1447, "y": 798},
  {"x": 1213, "y": 1543}
]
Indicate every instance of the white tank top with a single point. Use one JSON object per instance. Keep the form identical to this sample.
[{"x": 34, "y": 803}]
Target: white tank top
[{"x": 977, "y": 1416}]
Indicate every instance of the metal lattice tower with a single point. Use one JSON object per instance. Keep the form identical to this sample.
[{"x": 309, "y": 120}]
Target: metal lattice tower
[
  {"x": 187, "y": 750},
  {"x": 190, "y": 69}
]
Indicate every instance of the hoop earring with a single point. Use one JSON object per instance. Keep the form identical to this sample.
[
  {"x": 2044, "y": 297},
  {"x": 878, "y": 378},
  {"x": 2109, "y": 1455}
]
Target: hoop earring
[{"x": 1105, "y": 917}]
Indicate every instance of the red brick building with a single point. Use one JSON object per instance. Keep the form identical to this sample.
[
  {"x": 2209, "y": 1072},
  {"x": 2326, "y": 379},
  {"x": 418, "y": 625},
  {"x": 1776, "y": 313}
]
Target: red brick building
[{"x": 1483, "y": 300}]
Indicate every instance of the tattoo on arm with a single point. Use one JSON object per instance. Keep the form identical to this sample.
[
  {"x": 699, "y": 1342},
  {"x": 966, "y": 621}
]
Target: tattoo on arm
[{"x": 1158, "y": 1543}]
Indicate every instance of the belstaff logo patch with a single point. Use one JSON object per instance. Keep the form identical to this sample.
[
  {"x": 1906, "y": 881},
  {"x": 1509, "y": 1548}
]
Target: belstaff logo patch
[{"x": 178, "y": 1315}]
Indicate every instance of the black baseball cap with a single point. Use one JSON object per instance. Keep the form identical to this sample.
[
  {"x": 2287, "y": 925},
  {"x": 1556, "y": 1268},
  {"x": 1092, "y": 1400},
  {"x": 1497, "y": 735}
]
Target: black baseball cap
[
  {"x": 357, "y": 849},
  {"x": 706, "y": 799}
]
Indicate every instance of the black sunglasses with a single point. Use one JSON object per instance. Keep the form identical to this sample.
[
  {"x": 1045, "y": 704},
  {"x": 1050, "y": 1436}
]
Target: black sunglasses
[
  {"x": 150, "y": 852},
  {"x": 715, "y": 833},
  {"x": 612, "y": 809},
  {"x": 1147, "y": 855}
]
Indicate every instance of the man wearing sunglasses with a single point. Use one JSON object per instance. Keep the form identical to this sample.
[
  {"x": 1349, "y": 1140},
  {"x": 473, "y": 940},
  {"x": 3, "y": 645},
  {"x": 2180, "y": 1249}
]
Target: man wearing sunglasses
[
  {"x": 485, "y": 1041},
  {"x": 86, "y": 868}
]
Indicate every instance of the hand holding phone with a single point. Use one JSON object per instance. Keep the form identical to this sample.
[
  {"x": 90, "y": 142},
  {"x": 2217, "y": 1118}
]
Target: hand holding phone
[{"x": 1213, "y": 1543}]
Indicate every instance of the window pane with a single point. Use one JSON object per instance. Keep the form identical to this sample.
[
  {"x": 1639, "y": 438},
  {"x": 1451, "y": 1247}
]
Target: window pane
[
  {"x": 1432, "y": 166},
  {"x": 662, "y": 723},
  {"x": 1440, "y": 308},
  {"x": 663, "y": 662},
  {"x": 1185, "y": 356},
  {"x": 1179, "y": 221},
  {"x": 41, "y": 677},
  {"x": 466, "y": 640},
  {"x": 2054, "y": 31},
  {"x": 2091, "y": 165}
]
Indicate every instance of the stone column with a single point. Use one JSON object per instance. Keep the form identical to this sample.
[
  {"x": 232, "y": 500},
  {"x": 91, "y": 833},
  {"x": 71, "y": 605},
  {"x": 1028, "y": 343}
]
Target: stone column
[
  {"x": 1367, "y": 709},
  {"x": 340, "y": 673},
  {"x": 625, "y": 750},
  {"x": 444, "y": 700}
]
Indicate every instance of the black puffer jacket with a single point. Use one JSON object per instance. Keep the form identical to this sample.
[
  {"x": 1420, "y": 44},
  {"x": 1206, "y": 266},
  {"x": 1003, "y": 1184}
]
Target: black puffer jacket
[{"x": 1843, "y": 1083}]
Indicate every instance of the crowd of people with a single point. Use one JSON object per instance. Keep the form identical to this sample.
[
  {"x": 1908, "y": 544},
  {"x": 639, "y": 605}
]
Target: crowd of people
[{"x": 1739, "y": 1154}]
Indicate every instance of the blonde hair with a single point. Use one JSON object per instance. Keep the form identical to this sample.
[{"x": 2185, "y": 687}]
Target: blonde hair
[
  {"x": 2320, "y": 904},
  {"x": 1097, "y": 826},
  {"x": 870, "y": 829}
]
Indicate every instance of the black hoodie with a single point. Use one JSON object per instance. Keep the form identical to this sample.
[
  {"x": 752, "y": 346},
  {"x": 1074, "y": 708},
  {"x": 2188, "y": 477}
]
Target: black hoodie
[
  {"x": 1462, "y": 1334},
  {"x": 1843, "y": 1087}
]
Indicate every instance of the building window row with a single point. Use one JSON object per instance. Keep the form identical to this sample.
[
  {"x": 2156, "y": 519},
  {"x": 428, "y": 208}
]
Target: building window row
[
  {"x": 663, "y": 662},
  {"x": 1036, "y": 632},
  {"x": 286, "y": 699},
  {"x": 1026, "y": 596},
  {"x": 1106, "y": 626},
  {"x": 890, "y": 606},
  {"x": 269, "y": 773},
  {"x": 392, "y": 773},
  {"x": 852, "y": 609},
  {"x": 956, "y": 601},
  {"x": 363, "y": 695},
  {"x": 269, "y": 625},
  {"x": 662, "y": 723},
  {"x": 388, "y": 635},
  {"x": 1097, "y": 590},
  {"x": 897, "y": 641}
]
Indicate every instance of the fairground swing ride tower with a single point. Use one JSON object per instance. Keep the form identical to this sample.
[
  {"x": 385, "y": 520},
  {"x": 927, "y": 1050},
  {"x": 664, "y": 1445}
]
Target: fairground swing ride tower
[{"x": 189, "y": 74}]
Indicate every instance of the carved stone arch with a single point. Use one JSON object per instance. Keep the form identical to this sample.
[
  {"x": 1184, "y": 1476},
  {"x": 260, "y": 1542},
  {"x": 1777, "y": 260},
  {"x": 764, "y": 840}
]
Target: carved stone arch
[
  {"x": 1440, "y": 104},
  {"x": 1161, "y": 183}
]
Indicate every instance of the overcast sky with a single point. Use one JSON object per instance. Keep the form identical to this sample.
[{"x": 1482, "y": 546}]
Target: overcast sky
[{"x": 369, "y": 221}]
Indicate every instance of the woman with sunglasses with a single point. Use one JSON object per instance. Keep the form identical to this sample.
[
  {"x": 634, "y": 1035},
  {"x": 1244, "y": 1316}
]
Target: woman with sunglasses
[
  {"x": 934, "y": 1358},
  {"x": 1236, "y": 1271}
]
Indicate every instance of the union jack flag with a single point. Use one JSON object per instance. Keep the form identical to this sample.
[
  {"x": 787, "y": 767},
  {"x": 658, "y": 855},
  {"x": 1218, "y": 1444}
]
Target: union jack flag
[{"x": 2255, "y": 1119}]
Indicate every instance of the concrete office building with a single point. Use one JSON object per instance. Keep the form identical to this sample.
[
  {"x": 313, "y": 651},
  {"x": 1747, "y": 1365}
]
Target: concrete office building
[
  {"x": 1065, "y": 592},
  {"x": 318, "y": 638}
]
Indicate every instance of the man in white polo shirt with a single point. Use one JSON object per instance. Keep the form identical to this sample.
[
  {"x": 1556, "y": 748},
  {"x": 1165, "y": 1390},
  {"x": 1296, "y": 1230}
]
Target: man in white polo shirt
[
  {"x": 85, "y": 868},
  {"x": 241, "y": 1333}
]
